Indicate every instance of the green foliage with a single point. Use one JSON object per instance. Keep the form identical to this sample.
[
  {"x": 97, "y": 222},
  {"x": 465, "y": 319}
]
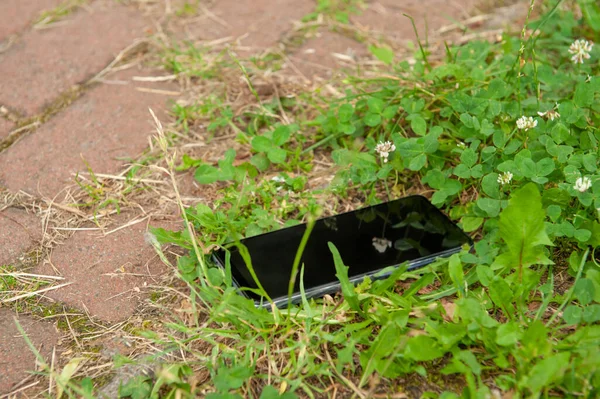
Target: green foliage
[
  {"x": 521, "y": 227},
  {"x": 518, "y": 313}
]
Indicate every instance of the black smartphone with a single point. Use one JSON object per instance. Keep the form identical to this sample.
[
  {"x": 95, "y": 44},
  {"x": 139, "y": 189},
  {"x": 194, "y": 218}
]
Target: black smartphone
[{"x": 369, "y": 240}]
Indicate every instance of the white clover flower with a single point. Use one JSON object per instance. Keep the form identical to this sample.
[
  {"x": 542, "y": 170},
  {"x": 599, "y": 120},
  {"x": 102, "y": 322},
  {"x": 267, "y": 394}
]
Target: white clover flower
[
  {"x": 583, "y": 184},
  {"x": 526, "y": 123},
  {"x": 505, "y": 178},
  {"x": 581, "y": 50},
  {"x": 384, "y": 149},
  {"x": 550, "y": 114},
  {"x": 381, "y": 244}
]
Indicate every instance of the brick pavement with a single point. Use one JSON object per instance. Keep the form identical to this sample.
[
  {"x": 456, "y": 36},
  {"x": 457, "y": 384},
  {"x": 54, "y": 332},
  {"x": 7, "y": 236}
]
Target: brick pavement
[
  {"x": 42, "y": 64},
  {"x": 19, "y": 232},
  {"x": 17, "y": 14},
  {"x": 109, "y": 121},
  {"x": 107, "y": 124},
  {"x": 16, "y": 359},
  {"x": 5, "y": 127}
]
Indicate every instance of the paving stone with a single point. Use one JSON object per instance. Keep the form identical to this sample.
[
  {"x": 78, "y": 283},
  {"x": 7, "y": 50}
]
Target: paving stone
[
  {"x": 264, "y": 21},
  {"x": 108, "y": 272},
  {"x": 109, "y": 123},
  {"x": 386, "y": 17},
  {"x": 5, "y": 127},
  {"x": 16, "y": 359},
  {"x": 317, "y": 56},
  {"x": 16, "y": 15},
  {"x": 19, "y": 232},
  {"x": 44, "y": 63}
]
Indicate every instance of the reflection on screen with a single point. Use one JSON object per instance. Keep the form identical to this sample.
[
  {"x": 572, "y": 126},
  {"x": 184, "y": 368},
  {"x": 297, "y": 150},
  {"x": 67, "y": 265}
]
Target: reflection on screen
[{"x": 368, "y": 240}]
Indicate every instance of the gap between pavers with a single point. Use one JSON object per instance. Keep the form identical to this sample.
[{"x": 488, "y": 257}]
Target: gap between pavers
[
  {"x": 108, "y": 123},
  {"x": 108, "y": 273},
  {"x": 260, "y": 23},
  {"x": 16, "y": 359},
  {"x": 19, "y": 232},
  {"x": 17, "y": 15},
  {"x": 44, "y": 63}
]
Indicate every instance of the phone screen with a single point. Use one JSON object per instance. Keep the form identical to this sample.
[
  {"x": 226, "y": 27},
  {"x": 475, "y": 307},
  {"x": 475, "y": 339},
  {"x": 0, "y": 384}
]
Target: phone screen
[{"x": 369, "y": 239}]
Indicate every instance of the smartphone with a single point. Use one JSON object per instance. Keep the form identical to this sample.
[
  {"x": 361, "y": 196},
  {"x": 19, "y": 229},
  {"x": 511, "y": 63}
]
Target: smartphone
[{"x": 371, "y": 241}]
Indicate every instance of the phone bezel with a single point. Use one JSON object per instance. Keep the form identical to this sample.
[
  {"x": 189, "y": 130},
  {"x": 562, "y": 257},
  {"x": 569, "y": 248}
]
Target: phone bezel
[{"x": 335, "y": 286}]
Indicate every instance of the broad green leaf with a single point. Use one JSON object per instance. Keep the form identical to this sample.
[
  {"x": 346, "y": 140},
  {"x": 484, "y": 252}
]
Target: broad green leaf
[
  {"x": 138, "y": 387},
  {"x": 462, "y": 171},
  {"x": 342, "y": 274},
  {"x": 379, "y": 350},
  {"x": 260, "y": 161},
  {"x": 544, "y": 167},
  {"x": 371, "y": 119},
  {"x": 261, "y": 144},
  {"x": 430, "y": 141},
  {"x": 207, "y": 174},
  {"x": 468, "y": 157},
  {"x": 376, "y": 105},
  {"x": 554, "y": 212},
  {"x": 471, "y": 223},
  {"x": 490, "y": 206},
  {"x": 281, "y": 135},
  {"x": 390, "y": 111},
  {"x": 485, "y": 275},
  {"x": 582, "y": 235},
  {"x": 522, "y": 228},
  {"x": 277, "y": 155},
  {"x": 422, "y": 348},
  {"x": 384, "y": 54},
  {"x": 418, "y": 162},
  {"x": 584, "y": 291},
  {"x": 572, "y": 314},
  {"x": 345, "y": 112},
  {"x": 490, "y": 186},
  {"x": 434, "y": 178},
  {"x": 547, "y": 371},
  {"x": 232, "y": 377},
  {"x": 591, "y": 12},
  {"x": 346, "y": 128},
  {"x": 501, "y": 293},
  {"x": 455, "y": 271},
  {"x": 590, "y": 162},
  {"x": 591, "y": 313},
  {"x": 418, "y": 125},
  {"x": 584, "y": 94},
  {"x": 508, "y": 334}
]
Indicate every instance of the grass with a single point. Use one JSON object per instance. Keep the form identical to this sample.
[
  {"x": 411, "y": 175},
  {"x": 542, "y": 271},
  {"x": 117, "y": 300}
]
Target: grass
[{"x": 516, "y": 317}]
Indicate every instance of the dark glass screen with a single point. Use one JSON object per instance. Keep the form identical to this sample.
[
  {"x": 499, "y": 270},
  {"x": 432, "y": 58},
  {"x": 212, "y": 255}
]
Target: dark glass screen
[{"x": 368, "y": 240}]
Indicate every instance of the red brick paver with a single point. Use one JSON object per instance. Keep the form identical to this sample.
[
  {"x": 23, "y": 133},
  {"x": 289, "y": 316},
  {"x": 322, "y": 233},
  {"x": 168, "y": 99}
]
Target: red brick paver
[
  {"x": 317, "y": 56},
  {"x": 263, "y": 21},
  {"x": 16, "y": 359},
  {"x": 44, "y": 63},
  {"x": 16, "y": 15},
  {"x": 386, "y": 17},
  {"x": 19, "y": 231},
  {"x": 108, "y": 272},
  {"x": 109, "y": 122},
  {"x": 5, "y": 127}
]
